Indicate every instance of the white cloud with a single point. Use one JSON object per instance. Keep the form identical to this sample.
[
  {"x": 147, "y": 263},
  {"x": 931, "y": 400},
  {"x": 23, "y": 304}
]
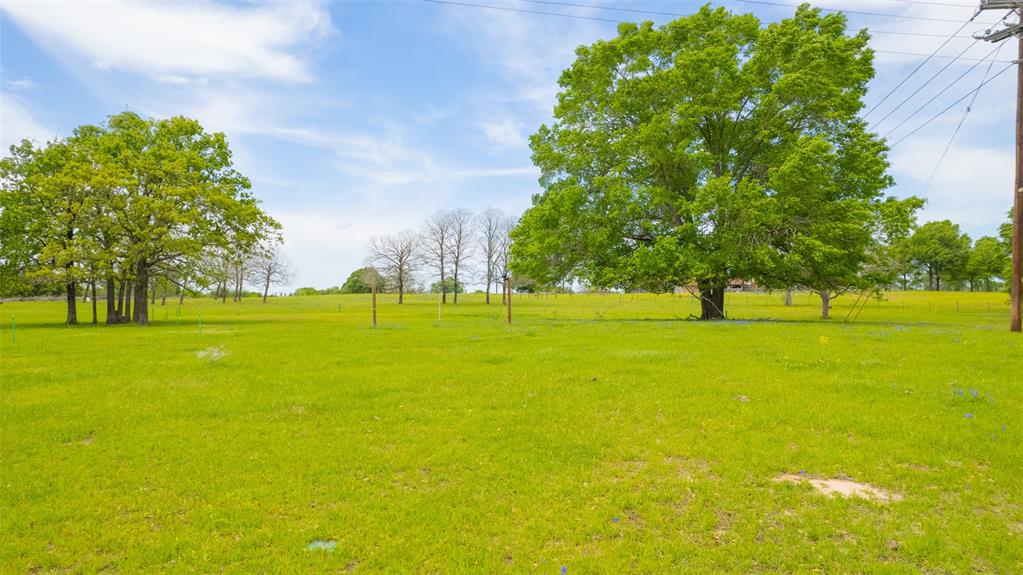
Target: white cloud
[
  {"x": 504, "y": 133},
  {"x": 18, "y": 123},
  {"x": 20, "y": 84},
  {"x": 529, "y": 50},
  {"x": 169, "y": 39}
]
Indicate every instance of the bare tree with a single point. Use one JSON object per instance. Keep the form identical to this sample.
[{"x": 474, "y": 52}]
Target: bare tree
[
  {"x": 489, "y": 226},
  {"x": 270, "y": 267},
  {"x": 462, "y": 240},
  {"x": 394, "y": 258},
  {"x": 435, "y": 240},
  {"x": 503, "y": 256}
]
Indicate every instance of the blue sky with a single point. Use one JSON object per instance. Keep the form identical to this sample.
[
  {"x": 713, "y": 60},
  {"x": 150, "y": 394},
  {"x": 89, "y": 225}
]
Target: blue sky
[{"x": 356, "y": 119}]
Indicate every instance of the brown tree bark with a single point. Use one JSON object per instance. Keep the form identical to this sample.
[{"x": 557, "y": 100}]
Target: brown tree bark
[
  {"x": 95, "y": 319},
  {"x": 121, "y": 291},
  {"x": 825, "y": 305},
  {"x": 111, "y": 300},
  {"x": 72, "y": 304},
  {"x": 142, "y": 295},
  {"x": 129, "y": 293},
  {"x": 712, "y": 303}
]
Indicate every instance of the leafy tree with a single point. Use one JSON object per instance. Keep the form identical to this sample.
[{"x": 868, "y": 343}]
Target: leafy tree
[
  {"x": 179, "y": 194},
  {"x": 1005, "y": 237},
  {"x": 987, "y": 259},
  {"x": 659, "y": 167},
  {"x": 129, "y": 200},
  {"x": 46, "y": 194},
  {"x": 833, "y": 221},
  {"x": 449, "y": 287},
  {"x": 940, "y": 249},
  {"x": 362, "y": 280}
]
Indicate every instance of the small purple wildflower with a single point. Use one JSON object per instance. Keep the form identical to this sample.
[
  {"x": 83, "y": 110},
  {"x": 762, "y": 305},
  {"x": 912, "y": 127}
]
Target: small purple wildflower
[
  {"x": 564, "y": 570},
  {"x": 614, "y": 519},
  {"x": 974, "y": 393},
  {"x": 959, "y": 392},
  {"x": 968, "y": 416}
]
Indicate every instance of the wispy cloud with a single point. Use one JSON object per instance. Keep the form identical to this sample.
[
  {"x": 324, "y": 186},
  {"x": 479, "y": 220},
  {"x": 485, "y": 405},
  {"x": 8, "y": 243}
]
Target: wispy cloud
[
  {"x": 168, "y": 39},
  {"x": 17, "y": 123},
  {"x": 19, "y": 84}
]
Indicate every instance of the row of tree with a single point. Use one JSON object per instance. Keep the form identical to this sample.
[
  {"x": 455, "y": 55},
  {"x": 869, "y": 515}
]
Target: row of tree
[
  {"x": 456, "y": 247},
  {"x": 128, "y": 204},
  {"x": 939, "y": 256}
]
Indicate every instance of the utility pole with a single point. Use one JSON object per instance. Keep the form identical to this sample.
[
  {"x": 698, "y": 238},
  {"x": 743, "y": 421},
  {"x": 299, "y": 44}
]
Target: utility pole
[{"x": 1009, "y": 31}]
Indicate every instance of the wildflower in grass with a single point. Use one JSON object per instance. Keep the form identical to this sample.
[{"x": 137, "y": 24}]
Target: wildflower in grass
[
  {"x": 959, "y": 392},
  {"x": 614, "y": 519},
  {"x": 974, "y": 393},
  {"x": 823, "y": 339},
  {"x": 968, "y": 416},
  {"x": 564, "y": 570}
]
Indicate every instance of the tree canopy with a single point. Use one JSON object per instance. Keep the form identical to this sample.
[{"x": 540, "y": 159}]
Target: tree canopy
[
  {"x": 708, "y": 149},
  {"x": 125, "y": 201}
]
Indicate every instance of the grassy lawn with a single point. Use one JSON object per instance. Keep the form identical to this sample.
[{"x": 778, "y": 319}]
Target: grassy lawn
[{"x": 596, "y": 434}]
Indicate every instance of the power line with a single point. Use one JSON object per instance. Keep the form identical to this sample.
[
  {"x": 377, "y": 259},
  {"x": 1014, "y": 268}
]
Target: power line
[
  {"x": 929, "y": 80},
  {"x": 856, "y": 12},
  {"x": 936, "y": 96},
  {"x": 962, "y": 120},
  {"x": 522, "y": 10},
  {"x": 939, "y": 56},
  {"x": 920, "y": 65},
  {"x": 674, "y": 14},
  {"x": 954, "y": 104}
]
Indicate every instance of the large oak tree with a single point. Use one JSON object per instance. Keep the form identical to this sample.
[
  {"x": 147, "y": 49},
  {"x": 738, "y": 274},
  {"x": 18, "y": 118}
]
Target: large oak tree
[{"x": 661, "y": 167}]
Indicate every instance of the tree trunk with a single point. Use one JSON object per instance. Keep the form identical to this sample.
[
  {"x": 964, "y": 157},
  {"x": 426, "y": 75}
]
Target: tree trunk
[
  {"x": 937, "y": 282},
  {"x": 72, "y": 304},
  {"x": 490, "y": 279},
  {"x": 152, "y": 295},
  {"x": 455, "y": 295},
  {"x": 266, "y": 286},
  {"x": 825, "y": 305},
  {"x": 111, "y": 301},
  {"x": 504, "y": 291},
  {"x": 128, "y": 295},
  {"x": 181, "y": 297},
  {"x": 401, "y": 293},
  {"x": 788, "y": 297},
  {"x": 120, "y": 300},
  {"x": 223, "y": 292},
  {"x": 443, "y": 286},
  {"x": 712, "y": 303},
  {"x": 95, "y": 319},
  {"x": 142, "y": 295}
]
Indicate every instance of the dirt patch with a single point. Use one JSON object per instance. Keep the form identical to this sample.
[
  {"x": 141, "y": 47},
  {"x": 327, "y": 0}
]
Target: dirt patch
[
  {"x": 842, "y": 488},
  {"x": 211, "y": 353}
]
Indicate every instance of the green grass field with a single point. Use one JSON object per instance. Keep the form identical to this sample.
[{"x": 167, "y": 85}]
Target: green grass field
[{"x": 596, "y": 434}]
